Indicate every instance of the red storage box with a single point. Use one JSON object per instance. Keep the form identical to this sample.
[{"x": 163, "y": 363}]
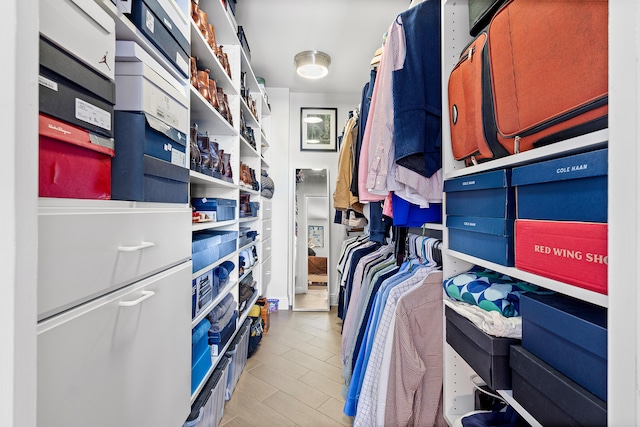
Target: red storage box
[
  {"x": 567, "y": 251},
  {"x": 74, "y": 163}
]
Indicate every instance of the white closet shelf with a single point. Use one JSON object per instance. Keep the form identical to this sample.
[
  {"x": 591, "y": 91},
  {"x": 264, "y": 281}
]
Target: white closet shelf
[
  {"x": 215, "y": 264},
  {"x": 213, "y": 303},
  {"x": 207, "y": 117},
  {"x": 252, "y": 121},
  {"x": 508, "y": 396},
  {"x": 246, "y": 150},
  {"x": 591, "y": 141},
  {"x": 554, "y": 285},
  {"x": 199, "y": 226},
  {"x": 250, "y": 191},
  {"x": 200, "y": 178},
  {"x": 206, "y": 59},
  {"x": 248, "y": 219}
]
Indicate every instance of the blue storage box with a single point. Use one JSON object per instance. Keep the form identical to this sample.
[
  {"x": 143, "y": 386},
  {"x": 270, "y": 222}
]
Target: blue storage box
[
  {"x": 227, "y": 241},
  {"x": 217, "y": 340},
  {"x": 140, "y": 133},
  {"x": 218, "y": 209},
  {"x": 144, "y": 17},
  {"x": 549, "y": 396},
  {"x": 572, "y": 188},
  {"x": 570, "y": 335},
  {"x": 488, "y": 238},
  {"x": 200, "y": 353},
  {"x": 406, "y": 214},
  {"x": 487, "y": 194},
  {"x": 139, "y": 177}
]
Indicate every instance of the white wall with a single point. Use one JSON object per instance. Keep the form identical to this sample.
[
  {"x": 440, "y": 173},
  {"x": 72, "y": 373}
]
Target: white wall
[
  {"x": 284, "y": 157},
  {"x": 306, "y": 159},
  {"x": 278, "y": 158},
  {"x": 18, "y": 216}
]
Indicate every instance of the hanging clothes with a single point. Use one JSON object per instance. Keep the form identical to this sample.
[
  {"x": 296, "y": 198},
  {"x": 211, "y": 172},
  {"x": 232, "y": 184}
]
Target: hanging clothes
[
  {"x": 343, "y": 199},
  {"x": 417, "y": 90}
]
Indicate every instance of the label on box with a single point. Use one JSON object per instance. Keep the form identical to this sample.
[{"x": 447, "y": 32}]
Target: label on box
[
  {"x": 164, "y": 114},
  {"x": 167, "y": 23},
  {"x": 43, "y": 81},
  {"x": 91, "y": 114},
  {"x": 182, "y": 64},
  {"x": 150, "y": 21},
  {"x": 178, "y": 157},
  {"x": 567, "y": 251}
]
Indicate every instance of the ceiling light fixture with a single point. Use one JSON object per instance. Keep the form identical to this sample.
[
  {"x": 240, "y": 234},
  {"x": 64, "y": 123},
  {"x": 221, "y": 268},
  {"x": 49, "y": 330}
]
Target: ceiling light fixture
[{"x": 312, "y": 64}]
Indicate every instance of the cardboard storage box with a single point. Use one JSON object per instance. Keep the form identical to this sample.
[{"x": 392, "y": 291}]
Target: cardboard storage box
[
  {"x": 200, "y": 353},
  {"x": 550, "y": 397},
  {"x": 73, "y": 163},
  {"x": 96, "y": 47},
  {"x": 571, "y": 252},
  {"x": 572, "y": 188},
  {"x": 144, "y": 18},
  {"x": 218, "y": 209},
  {"x": 141, "y": 133},
  {"x": 74, "y": 93},
  {"x": 488, "y": 238},
  {"x": 144, "y": 85},
  {"x": 205, "y": 250},
  {"x": 228, "y": 241},
  {"x": 570, "y": 335},
  {"x": 486, "y": 354},
  {"x": 487, "y": 194}
]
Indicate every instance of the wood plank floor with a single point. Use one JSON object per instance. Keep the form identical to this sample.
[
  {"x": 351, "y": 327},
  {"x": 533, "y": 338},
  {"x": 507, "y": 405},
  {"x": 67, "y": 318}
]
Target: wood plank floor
[{"x": 294, "y": 378}]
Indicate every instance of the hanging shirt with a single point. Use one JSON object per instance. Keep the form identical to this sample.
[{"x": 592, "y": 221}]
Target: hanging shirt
[
  {"x": 413, "y": 391},
  {"x": 366, "y": 406}
]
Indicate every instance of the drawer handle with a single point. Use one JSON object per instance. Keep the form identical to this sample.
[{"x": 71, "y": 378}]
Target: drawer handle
[
  {"x": 145, "y": 295},
  {"x": 141, "y": 246}
]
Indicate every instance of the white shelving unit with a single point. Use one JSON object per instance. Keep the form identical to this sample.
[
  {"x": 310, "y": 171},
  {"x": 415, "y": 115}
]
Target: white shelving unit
[
  {"x": 623, "y": 210},
  {"x": 231, "y": 141}
]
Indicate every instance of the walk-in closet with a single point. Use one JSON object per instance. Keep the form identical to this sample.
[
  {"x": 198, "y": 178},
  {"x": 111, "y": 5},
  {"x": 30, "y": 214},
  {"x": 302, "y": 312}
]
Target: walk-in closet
[{"x": 300, "y": 213}]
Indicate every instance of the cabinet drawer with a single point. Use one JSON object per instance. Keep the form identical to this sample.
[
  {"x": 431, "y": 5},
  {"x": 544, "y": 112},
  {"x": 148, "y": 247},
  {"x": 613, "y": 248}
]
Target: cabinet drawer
[
  {"x": 266, "y": 273},
  {"x": 88, "y": 251},
  {"x": 267, "y": 209},
  {"x": 119, "y": 360},
  {"x": 266, "y": 248},
  {"x": 266, "y": 229}
]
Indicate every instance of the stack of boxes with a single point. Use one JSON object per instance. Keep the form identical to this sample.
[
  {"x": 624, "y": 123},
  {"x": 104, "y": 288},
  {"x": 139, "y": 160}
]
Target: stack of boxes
[
  {"x": 561, "y": 226},
  {"x": 76, "y": 100},
  {"x": 560, "y": 372},
  {"x": 480, "y": 212},
  {"x": 113, "y": 120}
]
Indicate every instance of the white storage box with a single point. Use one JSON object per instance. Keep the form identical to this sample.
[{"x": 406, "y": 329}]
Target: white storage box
[
  {"x": 93, "y": 39},
  {"x": 142, "y": 84}
]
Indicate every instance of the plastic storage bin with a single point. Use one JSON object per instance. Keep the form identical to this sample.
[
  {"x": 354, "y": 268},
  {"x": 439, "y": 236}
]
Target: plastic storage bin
[
  {"x": 238, "y": 354},
  {"x": 208, "y": 408}
]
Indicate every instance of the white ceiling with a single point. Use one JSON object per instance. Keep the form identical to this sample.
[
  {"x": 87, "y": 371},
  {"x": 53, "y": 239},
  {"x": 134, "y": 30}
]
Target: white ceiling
[{"x": 350, "y": 31}]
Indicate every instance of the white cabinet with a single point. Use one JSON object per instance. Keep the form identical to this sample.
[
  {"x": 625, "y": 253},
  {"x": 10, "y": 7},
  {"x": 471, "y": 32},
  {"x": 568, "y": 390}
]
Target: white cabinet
[
  {"x": 92, "y": 247},
  {"x": 120, "y": 360}
]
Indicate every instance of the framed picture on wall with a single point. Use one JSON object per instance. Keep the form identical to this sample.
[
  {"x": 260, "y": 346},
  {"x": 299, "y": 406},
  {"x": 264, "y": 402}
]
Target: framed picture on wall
[
  {"x": 316, "y": 236},
  {"x": 318, "y": 129}
]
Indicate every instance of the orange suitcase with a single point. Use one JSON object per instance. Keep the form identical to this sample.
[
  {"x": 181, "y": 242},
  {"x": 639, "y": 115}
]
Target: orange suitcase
[{"x": 543, "y": 79}]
